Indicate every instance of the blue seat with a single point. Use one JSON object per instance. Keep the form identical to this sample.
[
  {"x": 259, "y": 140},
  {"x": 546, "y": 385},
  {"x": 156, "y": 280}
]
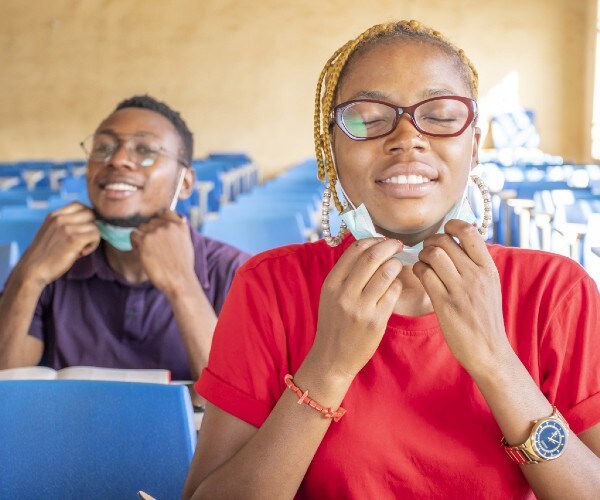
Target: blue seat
[
  {"x": 13, "y": 213},
  {"x": 94, "y": 440},
  {"x": 21, "y": 230},
  {"x": 73, "y": 186},
  {"x": 211, "y": 170},
  {"x": 15, "y": 197},
  {"x": 9, "y": 256},
  {"x": 259, "y": 206},
  {"x": 256, "y": 233}
]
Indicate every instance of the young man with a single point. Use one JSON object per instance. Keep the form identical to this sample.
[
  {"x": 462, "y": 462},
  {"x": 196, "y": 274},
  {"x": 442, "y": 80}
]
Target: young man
[{"x": 127, "y": 283}]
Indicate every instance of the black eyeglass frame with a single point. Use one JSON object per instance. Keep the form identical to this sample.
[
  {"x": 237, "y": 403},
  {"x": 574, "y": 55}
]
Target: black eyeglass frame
[
  {"x": 408, "y": 110},
  {"x": 161, "y": 151}
]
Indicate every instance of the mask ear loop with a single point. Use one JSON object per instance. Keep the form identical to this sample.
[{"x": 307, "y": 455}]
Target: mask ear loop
[{"x": 177, "y": 191}]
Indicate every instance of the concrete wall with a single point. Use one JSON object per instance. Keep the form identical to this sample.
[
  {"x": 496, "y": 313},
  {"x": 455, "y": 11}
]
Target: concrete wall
[{"x": 243, "y": 72}]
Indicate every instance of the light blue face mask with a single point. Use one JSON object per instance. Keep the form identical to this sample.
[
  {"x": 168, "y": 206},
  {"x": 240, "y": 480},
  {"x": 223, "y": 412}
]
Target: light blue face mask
[
  {"x": 361, "y": 226},
  {"x": 120, "y": 237}
]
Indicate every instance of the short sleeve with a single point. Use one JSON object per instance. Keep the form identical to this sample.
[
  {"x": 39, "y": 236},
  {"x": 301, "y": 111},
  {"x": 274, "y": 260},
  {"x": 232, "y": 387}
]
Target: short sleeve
[
  {"x": 223, "y": 261},
  {"x": 570, "y": 356},
  {"x": 247, "y": 356},
  {"x": 37, "y": 329}
]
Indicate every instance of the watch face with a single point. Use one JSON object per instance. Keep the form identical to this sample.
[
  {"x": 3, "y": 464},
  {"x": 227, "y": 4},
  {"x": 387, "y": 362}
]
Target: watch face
[{"x": 550, "y": 439}]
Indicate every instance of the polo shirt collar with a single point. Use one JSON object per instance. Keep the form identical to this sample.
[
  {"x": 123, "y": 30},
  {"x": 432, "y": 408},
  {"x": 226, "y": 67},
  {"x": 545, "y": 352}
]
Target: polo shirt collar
[{"x": 96, "y": 264}]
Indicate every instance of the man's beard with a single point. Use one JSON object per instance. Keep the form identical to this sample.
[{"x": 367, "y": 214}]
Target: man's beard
[{"x": 133, "y": 221}]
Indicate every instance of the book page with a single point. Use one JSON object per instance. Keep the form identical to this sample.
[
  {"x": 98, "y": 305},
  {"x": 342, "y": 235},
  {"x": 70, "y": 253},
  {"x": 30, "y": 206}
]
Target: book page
[
  {"x": 28, "y": 373},
  {"x": 153, "y": 376}
]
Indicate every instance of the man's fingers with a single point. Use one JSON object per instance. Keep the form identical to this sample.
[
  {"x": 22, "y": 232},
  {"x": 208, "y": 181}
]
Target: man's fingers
[
  {"x": 92, "y": 244},
  {"x": 171, "y": 216},
  {"x": 81, "y": 228},
  {"x": 72, "y": 208},
  {"x": 75, "y": 216}
]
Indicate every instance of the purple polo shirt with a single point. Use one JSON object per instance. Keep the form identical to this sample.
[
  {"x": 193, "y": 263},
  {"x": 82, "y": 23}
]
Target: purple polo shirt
[{"x": 92, "y": 316}]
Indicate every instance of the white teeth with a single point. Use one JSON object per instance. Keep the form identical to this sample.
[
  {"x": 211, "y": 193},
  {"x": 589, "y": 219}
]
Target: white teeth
[
  {"x": 121, "y": 186},
  {"x": 406, "y": 179}
]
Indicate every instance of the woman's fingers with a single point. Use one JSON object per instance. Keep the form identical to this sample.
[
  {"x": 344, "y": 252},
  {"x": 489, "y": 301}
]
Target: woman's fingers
[
  {"x": 368, "y": 262},
  {"x": 432, "y": 283},
  {"x": 470, "y": 241},
  {"x": 381, "y": 280}
]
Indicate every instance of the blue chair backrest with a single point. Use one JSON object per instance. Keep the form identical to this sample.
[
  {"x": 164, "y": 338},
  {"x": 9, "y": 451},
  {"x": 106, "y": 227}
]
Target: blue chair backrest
[
  {"x": 21, "y": 230},
  {"x": 259, "y": 207},
  {"x": 9, "y": 256},
  {"x": 90, "y": 439},
  {"x": 15, "y": 197},
  {"x": 256, "y": 233}
]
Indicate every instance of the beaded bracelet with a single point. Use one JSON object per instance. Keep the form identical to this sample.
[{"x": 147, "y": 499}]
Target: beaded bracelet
[{"x": 303, "y": 398}]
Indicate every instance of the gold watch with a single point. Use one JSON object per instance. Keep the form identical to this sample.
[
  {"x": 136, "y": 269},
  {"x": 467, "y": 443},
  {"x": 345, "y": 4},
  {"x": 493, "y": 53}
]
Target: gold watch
[{"x": 547, "y": 441}]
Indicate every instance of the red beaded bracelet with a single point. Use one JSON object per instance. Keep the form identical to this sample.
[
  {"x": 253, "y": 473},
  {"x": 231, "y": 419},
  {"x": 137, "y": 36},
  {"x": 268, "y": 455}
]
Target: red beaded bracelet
[{"x": 303, "y": 398}]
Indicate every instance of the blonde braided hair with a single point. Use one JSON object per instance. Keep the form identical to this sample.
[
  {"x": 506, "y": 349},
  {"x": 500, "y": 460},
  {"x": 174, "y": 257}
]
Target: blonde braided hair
[{"x": 329, "y": 79}]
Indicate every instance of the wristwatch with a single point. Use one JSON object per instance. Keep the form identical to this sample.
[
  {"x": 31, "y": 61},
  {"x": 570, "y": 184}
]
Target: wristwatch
[{"x": 547, "y": 441}]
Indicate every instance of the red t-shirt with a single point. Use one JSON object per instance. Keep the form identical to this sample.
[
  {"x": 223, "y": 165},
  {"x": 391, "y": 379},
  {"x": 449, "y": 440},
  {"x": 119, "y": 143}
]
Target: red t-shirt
[{"x": 416, "y": 424}]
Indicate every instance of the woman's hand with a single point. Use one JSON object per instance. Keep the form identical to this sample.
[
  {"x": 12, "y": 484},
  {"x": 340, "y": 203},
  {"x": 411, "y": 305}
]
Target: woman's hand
[
  {"x": 357, "y": 299},
  {"x": 463, "y": 285}
]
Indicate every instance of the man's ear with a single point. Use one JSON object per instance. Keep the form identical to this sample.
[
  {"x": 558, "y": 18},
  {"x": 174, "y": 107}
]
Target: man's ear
[
  {"x": 189, "y": 180},
  {"x": 475, "y": 152}
]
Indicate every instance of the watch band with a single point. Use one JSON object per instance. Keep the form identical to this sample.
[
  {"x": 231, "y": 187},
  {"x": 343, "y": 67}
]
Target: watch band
[
  {"x": 525, "y": 453},
  {"x": 519, "y": 455}
]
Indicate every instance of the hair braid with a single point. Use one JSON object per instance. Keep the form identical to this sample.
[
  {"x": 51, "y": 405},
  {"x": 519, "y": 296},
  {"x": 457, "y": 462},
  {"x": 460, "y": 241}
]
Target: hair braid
[{"x": 327, "y": 85}]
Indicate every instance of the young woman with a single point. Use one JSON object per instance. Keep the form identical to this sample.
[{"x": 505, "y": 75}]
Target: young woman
[{"x": 432, "y": 361}]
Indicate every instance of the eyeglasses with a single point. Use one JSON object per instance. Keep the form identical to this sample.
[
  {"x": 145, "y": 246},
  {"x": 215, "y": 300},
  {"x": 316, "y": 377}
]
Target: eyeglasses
[
  {"x": 444, "y": 116},
  {"x": 142, "y": 149}
]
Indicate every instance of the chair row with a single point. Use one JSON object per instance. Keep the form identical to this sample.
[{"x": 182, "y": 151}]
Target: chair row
[{"x": 284, "y": 210}]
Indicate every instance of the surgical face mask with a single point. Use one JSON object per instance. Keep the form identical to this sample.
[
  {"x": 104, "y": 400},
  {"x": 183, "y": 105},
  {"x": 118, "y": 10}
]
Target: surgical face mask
[
  {"x": 361, "y": 226},
  {"x": 120, "y": 237}
]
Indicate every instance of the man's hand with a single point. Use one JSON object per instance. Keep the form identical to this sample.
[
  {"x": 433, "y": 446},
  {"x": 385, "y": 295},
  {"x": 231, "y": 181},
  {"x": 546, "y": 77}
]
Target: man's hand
[
  {"x": 67, "y": 234},
  {"x": 166, "y": 252}
]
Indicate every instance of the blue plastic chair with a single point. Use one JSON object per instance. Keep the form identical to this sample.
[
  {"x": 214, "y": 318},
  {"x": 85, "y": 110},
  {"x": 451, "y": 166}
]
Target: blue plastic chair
[
  {"x": 256, "y": 233},
  {"x": 15, "y": 197},
  {"x": 94, "y": 440},
  {"x": 21, "y": 230},
  {"x": 9, "y": 256}
]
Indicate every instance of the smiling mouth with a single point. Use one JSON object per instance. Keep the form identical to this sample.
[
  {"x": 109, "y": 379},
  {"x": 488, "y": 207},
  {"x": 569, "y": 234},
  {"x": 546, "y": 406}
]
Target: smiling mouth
[
  {"x": 120, "y": 186},
  {"x": 406, "y": 179}
]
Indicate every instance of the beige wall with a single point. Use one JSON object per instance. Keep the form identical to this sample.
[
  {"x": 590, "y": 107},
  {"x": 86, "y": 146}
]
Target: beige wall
[{"x": 243, "y": 72}]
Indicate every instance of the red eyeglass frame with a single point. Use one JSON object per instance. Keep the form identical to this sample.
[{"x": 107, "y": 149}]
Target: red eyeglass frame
[{"x": 408, "y": 110}]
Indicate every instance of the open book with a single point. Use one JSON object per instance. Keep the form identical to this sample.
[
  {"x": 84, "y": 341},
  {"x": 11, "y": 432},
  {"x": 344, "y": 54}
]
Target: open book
[{"x": 153, "y": 376}]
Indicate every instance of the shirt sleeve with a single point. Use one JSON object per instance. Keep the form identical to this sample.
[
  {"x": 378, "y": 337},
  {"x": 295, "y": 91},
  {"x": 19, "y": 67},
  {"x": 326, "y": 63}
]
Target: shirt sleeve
[
  {"x": 36, "y": 329},
  {"x": 247, "y": 356},
  {"x": 224, "y": 263},
  {"x": 570, "y": 356}
]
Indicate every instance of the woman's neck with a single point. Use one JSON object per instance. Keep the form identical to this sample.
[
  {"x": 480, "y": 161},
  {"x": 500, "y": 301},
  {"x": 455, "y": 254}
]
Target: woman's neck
[{"x": 413, "y": 300}]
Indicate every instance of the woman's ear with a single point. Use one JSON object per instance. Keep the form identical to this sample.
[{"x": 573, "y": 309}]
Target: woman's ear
[
  {"x": 475, "y": 152},
  {"x": 189, "y": 180}
]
